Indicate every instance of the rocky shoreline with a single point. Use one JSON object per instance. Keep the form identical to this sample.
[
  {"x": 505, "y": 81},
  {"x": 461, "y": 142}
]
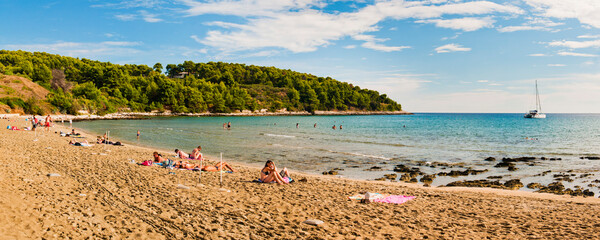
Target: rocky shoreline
[{"x": 415, "y": 174}]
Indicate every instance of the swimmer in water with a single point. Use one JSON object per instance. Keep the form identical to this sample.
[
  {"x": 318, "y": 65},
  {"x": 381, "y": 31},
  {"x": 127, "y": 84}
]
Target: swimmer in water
[{"x": 333, "y": 127}]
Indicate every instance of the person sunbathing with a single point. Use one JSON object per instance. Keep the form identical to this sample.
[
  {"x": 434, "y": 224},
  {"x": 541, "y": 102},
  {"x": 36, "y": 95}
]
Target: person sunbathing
[
  {"x": 269, "y": 174},
  {"x": 82, "y": 143},
  {"x": 217, "y": 167},
  {"x": 181, "y": 154},
  {"x": 158, "y": 158}
]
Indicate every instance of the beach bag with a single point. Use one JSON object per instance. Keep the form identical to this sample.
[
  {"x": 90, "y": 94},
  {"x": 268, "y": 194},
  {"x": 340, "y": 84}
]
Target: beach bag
[{"x": 147, "y": 163}]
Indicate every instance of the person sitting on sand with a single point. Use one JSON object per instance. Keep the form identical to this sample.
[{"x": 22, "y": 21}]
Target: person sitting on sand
[
  {"x": 269, "y": 174},
  {"x": 181, "y": 154},
  {"x": 196, "y": 154}
]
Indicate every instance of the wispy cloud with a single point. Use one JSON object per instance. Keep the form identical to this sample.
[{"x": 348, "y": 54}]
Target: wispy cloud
[
  {"x": 574, "y": 54},
  {"x": 467, "y": 24},
  {"x": 575, "y": 44},
  {"x": 350, "y": 46},
  {"x": 557, "y": 65},
  {"x": 374, "y": 43},
  {"x": 298, "y": 25},
  {"x": 125, "y": 17},
  {"x": 588, "y": 36},
  {"x": 141, "y": 14},
  {"x": 133, "y": 4},
  {"x": 537, "y": 55},
  {"x": 149, "y": 17},
  {"x": 522, "y": 28},
  {"x": 81, "y": 49},
  {"x": 452, "y": 48}
]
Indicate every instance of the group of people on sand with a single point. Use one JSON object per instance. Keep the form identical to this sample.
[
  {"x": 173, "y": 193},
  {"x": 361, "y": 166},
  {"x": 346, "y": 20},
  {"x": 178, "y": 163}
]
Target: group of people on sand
[
  {"x": 195, "y": 155},
  {"x": 35, "y": 122},
  {"x": 183, "y": 164},
  {"x": 268, "y": 174}
]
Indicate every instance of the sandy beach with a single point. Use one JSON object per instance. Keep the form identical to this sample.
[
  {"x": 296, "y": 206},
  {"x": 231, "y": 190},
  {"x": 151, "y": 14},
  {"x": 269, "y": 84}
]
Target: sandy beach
[{"x": 100, "y": 194}]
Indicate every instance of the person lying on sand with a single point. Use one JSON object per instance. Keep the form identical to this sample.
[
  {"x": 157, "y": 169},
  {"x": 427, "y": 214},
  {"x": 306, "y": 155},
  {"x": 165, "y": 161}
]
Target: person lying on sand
[
  {"x": 215, "y": 168},
  {"x": 269, "y": 174},
  {"x": 158, "y": 158},
  {"x": 181, "y": 154},
  {"x": 196, "y": 154},
  {"x": 76, "y": 143}
]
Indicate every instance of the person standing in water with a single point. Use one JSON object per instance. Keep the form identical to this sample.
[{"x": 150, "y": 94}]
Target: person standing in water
[
  {"x": 228, "y": 125},
  {"x": 297, "y": 125},
  {"x": 138, "y": 134},
  {"x": 340, "y": 126},
  {"x": 333, "y": 127},
  {"x": 315, "y": 126}
]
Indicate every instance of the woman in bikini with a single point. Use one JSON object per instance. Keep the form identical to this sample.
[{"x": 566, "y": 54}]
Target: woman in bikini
[
  {"x": 158, "y": 158},
  {"x": 269, "y": 174},
  {"x": 217, "y": 167}
]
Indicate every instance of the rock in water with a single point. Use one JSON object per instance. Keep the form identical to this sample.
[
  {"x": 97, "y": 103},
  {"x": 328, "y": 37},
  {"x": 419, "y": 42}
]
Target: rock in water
[
  {"x": 53, "y": 175},
  {"x": 314, "y": 222}
]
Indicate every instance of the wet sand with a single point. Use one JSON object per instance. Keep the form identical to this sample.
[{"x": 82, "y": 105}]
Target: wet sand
[{"x": 99, "y": 194}]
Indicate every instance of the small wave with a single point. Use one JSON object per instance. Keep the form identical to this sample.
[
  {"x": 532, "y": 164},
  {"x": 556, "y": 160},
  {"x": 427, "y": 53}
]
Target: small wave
[
  {"x": 376, "y": 143},
  {"x": 277, "y": 135},
  {"x": 362, "y": 155}
]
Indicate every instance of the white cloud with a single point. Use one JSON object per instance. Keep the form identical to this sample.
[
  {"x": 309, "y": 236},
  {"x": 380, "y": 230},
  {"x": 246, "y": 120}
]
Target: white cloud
[
  {"x": 296, "y": 26},
  {"x": 575, "y": 44},
  {"x": 523, "y": 28},
  {"x": 586, "y": 11},
  {"x": 125, "y": 17},
  {"x": 451, "y": 48},
  {"x": 574, "y": 54},
  {"x": 372, "y": 43},
  {"x": 148, "y": 17},
  {"x": 82, "y": 49},
  {"x": 133, "y": 4},
  {"x": 350, "y": 46},
  {"x": 588, "y": 36},
  {"x": 538, "y": 55},
  {"x": 557, "y": 65},
  {"x": 482, "y": 81},
  {"x": 467, "y": 24},
  {"x": 244, "y": 8}
]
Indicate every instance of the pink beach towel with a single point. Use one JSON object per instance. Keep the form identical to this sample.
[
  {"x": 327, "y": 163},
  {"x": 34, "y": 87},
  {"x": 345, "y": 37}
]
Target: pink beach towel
[{"x": 397, "y": 199}]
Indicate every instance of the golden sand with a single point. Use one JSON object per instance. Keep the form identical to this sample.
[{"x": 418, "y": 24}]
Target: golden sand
[{"x": 99, "y": 194}]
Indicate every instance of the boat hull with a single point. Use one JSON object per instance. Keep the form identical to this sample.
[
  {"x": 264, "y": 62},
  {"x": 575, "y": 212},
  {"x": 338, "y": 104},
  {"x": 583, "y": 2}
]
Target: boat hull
[{"x": 539, "y": 115}]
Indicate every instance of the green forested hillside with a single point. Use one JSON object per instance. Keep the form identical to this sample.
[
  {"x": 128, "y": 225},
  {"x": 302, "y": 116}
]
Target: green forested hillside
[{"x": 103, "y": 87}]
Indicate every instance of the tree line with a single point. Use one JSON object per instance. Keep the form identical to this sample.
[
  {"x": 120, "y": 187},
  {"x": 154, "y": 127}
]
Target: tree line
[{"x": 102, "y": 87}]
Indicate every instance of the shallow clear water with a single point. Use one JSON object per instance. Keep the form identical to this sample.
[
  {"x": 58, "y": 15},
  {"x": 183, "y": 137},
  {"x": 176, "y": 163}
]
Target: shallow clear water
[{"x": 382, "y": 140}]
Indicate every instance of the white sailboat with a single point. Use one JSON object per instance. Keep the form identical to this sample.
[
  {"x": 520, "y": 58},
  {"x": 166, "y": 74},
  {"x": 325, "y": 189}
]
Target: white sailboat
[{"x": 537, "y": 113}]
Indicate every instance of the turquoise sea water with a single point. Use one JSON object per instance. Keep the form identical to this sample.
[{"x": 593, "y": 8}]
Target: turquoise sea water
[{"x": 382, "y": 140}]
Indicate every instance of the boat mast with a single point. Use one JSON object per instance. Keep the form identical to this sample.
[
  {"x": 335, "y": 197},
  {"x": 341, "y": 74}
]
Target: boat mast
[{"x": 538, "y": 104}]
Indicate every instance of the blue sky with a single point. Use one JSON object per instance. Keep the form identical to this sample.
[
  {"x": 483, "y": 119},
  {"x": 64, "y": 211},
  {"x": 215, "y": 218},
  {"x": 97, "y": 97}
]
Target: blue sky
[{"x": 430, "y": 56}]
